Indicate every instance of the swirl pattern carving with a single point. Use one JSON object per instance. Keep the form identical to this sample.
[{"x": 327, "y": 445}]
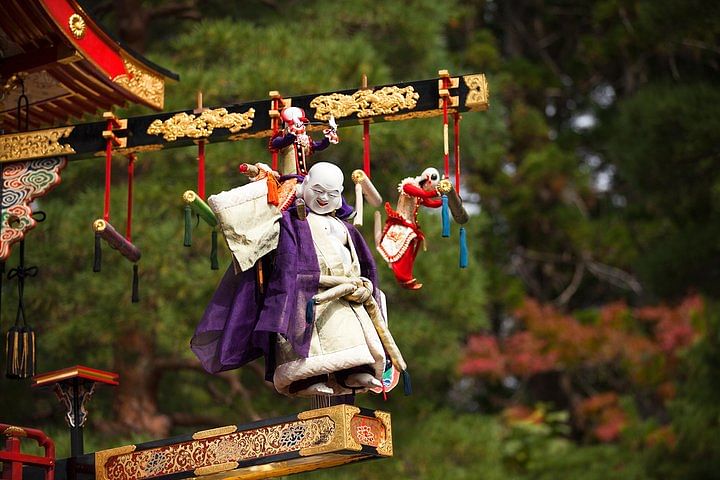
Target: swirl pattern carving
[
  {"x": 365, "y": 103},
  {"x": 22, "y": 183},
  {"x": 234, "y": 447},
  {"x": 189, "y": 125}
]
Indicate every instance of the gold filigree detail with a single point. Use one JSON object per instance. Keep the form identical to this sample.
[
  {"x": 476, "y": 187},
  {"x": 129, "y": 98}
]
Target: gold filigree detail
[
  {"x": 366, "y": 103},
  {"x": 188, "y": 125},
  {"x": 129, "y": 150},
  {"x": 341, "y": 416},
  {"x": 103, "y": 456},
  {"x": 415, "y": 115},
  {"x": 145, "y": 84},
  {"x": 217, "y": 452},
  {"x": 77, "y": 26},
  {"x": 386, "y": 446},
  {"x": 479, "y": 94},
  {"x": 36, "y": 144}
]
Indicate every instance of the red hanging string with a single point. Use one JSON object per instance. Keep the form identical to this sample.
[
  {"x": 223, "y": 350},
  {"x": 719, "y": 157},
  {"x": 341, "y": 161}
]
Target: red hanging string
[
  {"x": 446, "y": 153},
  {"x": 201, "y": 169},
  {"x": 366, "y": 148},
  {"x": 108, "y": 169},
  {"x": 456, "y": 126},
  {"x": 275, "y": 129},
  {"x": 131, "y": 176}
]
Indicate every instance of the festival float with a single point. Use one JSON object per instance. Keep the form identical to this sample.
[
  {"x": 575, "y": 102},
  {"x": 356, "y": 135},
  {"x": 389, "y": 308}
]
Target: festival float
[{"x": 301, "y": 290}]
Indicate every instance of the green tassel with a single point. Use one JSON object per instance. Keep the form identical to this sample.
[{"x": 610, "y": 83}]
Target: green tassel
[
  {"x": 407, "y": 384},
  {"x": 135, "y": 285},
  {"x": 463, "y": 248},
  {"x": 187, "y": 241},
  {"x": 445, "y": 214},
  {"x": 97, "y": 259},
  {"x": 213, "y": 251}
]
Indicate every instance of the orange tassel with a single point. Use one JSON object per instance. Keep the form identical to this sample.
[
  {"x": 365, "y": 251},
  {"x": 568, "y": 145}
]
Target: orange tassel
[{"x": 272, "y": 195}]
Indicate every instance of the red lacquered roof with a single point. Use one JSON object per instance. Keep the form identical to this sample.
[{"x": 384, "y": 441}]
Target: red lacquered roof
[{"x": 70, "y": 66}]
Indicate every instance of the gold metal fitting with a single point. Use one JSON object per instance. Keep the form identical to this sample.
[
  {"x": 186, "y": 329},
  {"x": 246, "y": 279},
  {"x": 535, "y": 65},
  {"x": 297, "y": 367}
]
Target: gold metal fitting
[
  {"x": 445, "y": 186},
  {"x": 358, "y": 176},
  {"x": 189, "y": 196},
  {"x": 99, "y": 225}
]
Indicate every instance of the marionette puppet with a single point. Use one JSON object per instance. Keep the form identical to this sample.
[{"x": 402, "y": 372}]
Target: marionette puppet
[
  {"x": 402, "y": 238},
  {"x": 294, "y": 145},
  {"x": 317, "y": 314}
]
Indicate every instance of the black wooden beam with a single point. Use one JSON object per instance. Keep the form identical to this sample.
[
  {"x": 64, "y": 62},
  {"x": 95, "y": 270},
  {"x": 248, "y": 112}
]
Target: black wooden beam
[{"x": 394, "y": 102}]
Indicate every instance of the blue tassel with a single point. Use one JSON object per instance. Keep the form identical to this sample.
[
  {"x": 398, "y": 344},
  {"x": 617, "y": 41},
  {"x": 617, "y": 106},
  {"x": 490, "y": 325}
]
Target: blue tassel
[
  {"x": 445, "y": 217},
  {"x": 407, "y": 385},
  {"x": 310, "y": 311},
  {"x": 463, "y": 248}
]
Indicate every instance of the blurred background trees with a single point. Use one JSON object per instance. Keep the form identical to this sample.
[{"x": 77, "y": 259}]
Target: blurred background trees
[{"x": 583, "y": 339}]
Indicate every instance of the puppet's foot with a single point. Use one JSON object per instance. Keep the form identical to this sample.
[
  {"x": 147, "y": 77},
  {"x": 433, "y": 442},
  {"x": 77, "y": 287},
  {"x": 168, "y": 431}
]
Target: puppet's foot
[
  {"x": 360, "y": 380},
  {"x": 320, "y": 388}
]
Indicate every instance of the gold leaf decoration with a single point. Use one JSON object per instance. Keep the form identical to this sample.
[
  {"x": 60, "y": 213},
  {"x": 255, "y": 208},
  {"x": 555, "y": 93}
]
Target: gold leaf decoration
[
  {"x": 36, "y": 144},
  {"x": 479, "y": 94},
  {"x": 366, "y": 103},
  {"x": 145, "y": 84},
  {"x": 188, "y": 125}
]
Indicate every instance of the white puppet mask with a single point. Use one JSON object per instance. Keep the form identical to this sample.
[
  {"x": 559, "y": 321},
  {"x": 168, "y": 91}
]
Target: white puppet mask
[
  {"x": 428, "y": 179},
  {"x": 322, "y": 188}
]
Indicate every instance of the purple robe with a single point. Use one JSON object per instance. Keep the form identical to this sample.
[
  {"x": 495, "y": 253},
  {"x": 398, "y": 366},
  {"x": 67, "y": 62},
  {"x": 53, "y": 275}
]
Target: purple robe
[{"x": 239, "y": 325}]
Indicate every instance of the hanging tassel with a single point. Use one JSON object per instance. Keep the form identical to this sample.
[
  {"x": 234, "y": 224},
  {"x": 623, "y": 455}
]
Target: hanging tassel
[
  {"x": 463, "y": 248},
  {"x": 272, "y": 185},
  {"x": 407, "y": 385},
  {"x": 97, "y": 260},
  {"x": 135, "y": 286},
  {"x": 214, "y": 251},
  {"x": 187, "y": 240},
  {"x": 20, "y": 347},
  {"x": 310, "y": 311},
  {"x": 445, "y": 217}
]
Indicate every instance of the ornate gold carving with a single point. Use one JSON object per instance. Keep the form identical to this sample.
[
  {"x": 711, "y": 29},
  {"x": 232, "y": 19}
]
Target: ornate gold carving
[
  {"x": 188, "y": 125},
  {"x": 13, "y": 431},
  {"x": 386, "y": 446},
  {"x": 214, "y": 432},
  {"x": 366, "y": 103},
  {"x": 340, "y": 416},
  {"x": 77, "y": 25},
  {"x": 415, "y": 115},
  {"x": 129, "y": 150},
  {"x": 145, "y": 84},
  {"x": 220, "y": 451},
  {"x": 103, "y": 456},
  {"x": 479, "y": 94},
  {"x": 36, "y": 144}
]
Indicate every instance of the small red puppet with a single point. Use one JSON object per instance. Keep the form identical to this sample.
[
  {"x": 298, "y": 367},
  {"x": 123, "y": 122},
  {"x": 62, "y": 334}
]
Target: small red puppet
[{"x": 402, "y": 237}]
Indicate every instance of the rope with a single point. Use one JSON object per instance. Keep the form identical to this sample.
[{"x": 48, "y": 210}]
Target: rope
[
  {"x": 108, "y": 171},
  {"x": 275, "y": 129},
  {"x": 446, "y": 142},
  {"x": 201, "y": 169},
  {"x": 366, "y": 148},
  {"x": 131, "y": 177},
  {"x": 456, "y": 127}
]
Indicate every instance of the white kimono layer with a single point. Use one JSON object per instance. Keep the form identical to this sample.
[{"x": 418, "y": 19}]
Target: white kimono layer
[{"x": 343, "y": 334}]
